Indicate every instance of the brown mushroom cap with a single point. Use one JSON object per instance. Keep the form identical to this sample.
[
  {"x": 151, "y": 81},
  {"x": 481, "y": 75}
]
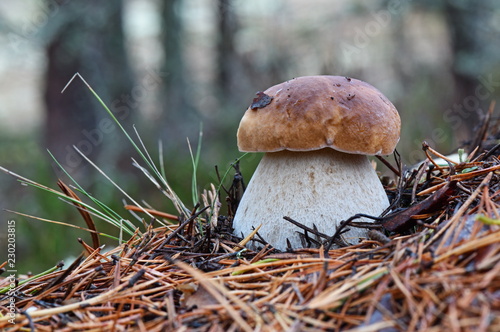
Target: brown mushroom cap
[{"x": 313, "y": 112}]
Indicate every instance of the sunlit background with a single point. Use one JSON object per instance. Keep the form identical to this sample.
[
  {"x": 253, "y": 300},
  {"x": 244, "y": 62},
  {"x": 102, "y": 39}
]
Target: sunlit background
[{"x": 172, "y": 67}]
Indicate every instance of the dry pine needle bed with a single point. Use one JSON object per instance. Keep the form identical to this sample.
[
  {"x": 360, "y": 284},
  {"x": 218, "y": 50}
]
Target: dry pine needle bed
[{"x": 431, "y": 266}]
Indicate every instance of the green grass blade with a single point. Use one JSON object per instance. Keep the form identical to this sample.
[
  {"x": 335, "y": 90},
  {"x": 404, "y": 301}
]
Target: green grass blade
[
  {"x": 61, "y": 223},
  {"x": 110, "y": 114},
  {"x": 114, "y": 217},
  {"x": 91, "y": 209},
  {"x": 195, "y": 160},
  {"x": 161, "y": 159},
  {"x": 34, "y": 184},
  {"x": 113, "y": 183},
  {"x": 22, "y": 282}
]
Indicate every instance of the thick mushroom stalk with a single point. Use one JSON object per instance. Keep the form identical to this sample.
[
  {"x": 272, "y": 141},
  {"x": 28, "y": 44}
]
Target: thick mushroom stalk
[{"x": 320, "y": 188}]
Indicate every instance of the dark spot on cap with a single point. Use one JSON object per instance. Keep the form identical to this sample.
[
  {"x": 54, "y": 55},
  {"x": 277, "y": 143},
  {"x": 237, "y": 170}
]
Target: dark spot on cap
[
  {"x": 348, "y": 79},
  {"x": 261, "y": 101},
  {"x": 332, "y": 98},
  {"x": 349, "y": 97}
]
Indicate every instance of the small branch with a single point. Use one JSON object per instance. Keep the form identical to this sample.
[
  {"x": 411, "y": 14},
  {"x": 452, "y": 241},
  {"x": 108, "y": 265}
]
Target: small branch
[
  {"x": 344, "y": 223},
  {"x": 386, "y": 163}
]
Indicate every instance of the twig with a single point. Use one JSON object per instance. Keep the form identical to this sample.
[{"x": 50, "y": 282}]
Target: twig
[
  {"x": 340, "y": 229},
  {"x": 182, "y": 225},
  {"x": 388, "y": 164},
  {"x": 152, "y": 212}
]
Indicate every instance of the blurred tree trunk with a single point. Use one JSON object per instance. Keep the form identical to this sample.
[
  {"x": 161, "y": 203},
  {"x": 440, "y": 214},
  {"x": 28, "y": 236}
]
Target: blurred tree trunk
[
  {"x": 226, "y": 55},
  {"x": 468, "y": 44},
  {"x": 236, "y": 75},
  {"x": 84, "y": 37},
  {"x": 178, "y": 112}
]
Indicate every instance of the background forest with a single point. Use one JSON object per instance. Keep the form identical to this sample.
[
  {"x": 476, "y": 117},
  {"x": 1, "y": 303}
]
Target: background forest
[{"x": 171, "y": 67}]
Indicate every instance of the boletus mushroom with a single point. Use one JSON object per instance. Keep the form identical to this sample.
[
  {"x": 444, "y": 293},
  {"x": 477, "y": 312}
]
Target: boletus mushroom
[{"x": 316, "y": 132}]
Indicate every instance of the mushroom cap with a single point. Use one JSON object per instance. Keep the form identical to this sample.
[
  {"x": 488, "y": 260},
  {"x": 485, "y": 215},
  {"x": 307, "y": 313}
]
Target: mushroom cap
[{"x": 314, "y": 112}]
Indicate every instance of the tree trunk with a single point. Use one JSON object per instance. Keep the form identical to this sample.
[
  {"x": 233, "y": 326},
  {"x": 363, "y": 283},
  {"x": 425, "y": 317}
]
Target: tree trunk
[
  {"x": 178, "y": 113},
  {"x": 84, "y": 37},
  {"x": 468, "y": 45}
]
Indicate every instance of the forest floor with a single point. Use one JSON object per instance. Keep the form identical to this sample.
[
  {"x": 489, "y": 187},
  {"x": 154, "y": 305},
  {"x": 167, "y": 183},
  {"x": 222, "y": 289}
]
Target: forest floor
[{"x": 433, "y": 265}]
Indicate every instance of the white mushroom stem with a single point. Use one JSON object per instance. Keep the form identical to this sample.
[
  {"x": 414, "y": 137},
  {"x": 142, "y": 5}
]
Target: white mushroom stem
[{"x": 319, "y": 187}]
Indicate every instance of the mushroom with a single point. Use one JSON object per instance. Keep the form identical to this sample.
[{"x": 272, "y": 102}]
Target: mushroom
[{"x": 316, "y": 132}]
